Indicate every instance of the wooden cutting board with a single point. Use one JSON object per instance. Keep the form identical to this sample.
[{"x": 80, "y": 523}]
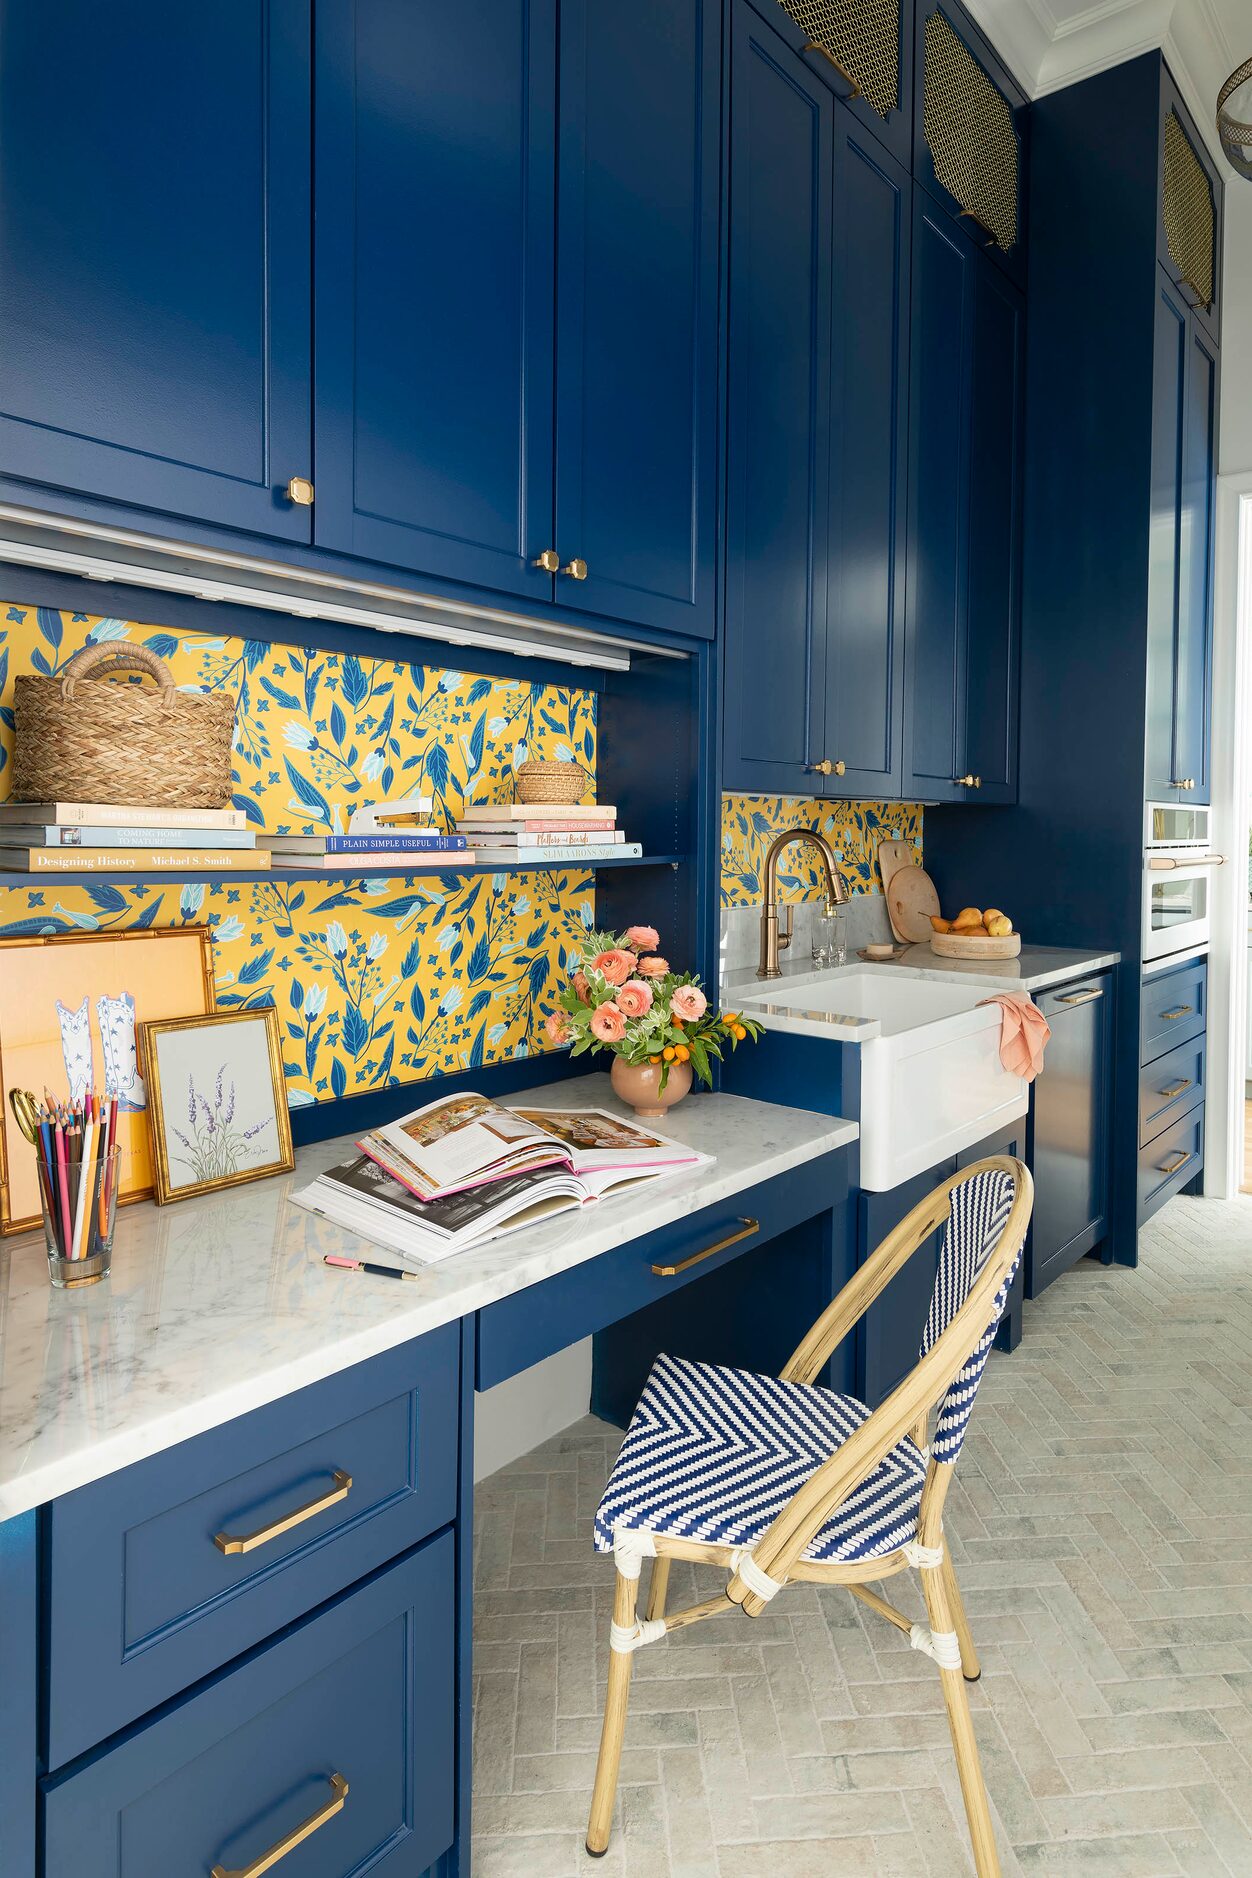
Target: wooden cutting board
[
  {"x": 911, "y": 899},
  {"x": 892, "y": 856}
]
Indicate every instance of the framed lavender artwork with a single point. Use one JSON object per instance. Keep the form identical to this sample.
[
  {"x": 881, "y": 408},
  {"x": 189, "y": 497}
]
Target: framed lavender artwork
[{"x": 217, "y": 1102}]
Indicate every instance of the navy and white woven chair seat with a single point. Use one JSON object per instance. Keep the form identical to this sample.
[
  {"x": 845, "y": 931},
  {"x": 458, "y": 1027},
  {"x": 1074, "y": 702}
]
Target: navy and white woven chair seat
[{"x": 714, "y": 1455}]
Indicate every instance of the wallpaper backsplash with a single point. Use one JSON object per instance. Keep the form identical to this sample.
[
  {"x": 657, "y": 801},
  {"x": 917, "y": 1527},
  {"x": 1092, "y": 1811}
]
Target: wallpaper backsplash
[
  {"x": 376, "y": 981},
  {"x": 853, "y": 829}
]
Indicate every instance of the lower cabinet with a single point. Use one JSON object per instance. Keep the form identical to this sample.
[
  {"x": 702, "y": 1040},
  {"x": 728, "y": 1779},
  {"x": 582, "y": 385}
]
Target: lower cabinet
[
  {"x": 1172, "y": 1052},
  {"x": 1069, "y": 1129},
  {"x": 337, "y": 1738}
]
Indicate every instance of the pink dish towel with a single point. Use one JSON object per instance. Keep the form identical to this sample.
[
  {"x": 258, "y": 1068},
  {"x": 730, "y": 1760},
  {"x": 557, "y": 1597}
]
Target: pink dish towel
[{"x": 1023, "y": 1032}]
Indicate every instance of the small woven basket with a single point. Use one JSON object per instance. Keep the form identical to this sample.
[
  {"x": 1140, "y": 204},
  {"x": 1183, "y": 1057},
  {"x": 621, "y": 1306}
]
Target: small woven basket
[
  {"x": 121, "y": 743},
  {"x": 541, "y": 781}
]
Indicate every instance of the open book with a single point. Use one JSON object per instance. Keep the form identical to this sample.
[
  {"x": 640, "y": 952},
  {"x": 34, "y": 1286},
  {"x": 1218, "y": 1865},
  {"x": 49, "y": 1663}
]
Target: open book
[
  {"x": 464, "y": 1141},
  {"x": 363, "y": 1197}
]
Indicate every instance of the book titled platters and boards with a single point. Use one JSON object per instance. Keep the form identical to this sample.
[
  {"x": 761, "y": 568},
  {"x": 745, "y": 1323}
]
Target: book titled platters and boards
[{"x": 464, "y": 1170}]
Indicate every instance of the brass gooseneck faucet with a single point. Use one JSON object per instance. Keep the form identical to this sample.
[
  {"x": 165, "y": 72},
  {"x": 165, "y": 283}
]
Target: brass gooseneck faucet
[{"x": 772, "y": 940}]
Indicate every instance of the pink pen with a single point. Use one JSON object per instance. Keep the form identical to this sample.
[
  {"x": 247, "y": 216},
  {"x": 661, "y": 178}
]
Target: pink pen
[{"x": 64, "y": 1185}]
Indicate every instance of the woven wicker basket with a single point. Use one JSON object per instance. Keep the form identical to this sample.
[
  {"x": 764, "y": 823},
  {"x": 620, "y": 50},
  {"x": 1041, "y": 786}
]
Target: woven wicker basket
[
  {"x": 121, "y": 743},
  {"x": 542, "y": 781}
]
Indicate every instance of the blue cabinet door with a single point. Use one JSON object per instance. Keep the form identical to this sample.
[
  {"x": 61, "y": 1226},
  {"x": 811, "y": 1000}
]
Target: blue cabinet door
[
  {"x": 154, "y": 255},
  {"x": 1193, "y": 677},
  {"x": 865, "y": 55},
  {"x": 1069, "y": 1133},
  {"x": 434, "y": 286},
  {"x": 944, "y": 287},
  {"x": 864, "y": 693},
  {"x": 1169, "y": 382},
  {"x": 638, "y": 189},
  {"x": 778, "y": 420}
]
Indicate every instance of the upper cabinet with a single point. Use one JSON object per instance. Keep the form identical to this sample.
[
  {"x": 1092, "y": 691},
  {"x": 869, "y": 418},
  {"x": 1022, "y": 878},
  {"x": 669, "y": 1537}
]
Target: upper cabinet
[
  {"x": 969, "y": 148},
  {"x": 154, "y": 257},
  {"x": 863, "y": 50},
  {"x": 816, "y": 434},
  {"x": 1187, "y": 233}
]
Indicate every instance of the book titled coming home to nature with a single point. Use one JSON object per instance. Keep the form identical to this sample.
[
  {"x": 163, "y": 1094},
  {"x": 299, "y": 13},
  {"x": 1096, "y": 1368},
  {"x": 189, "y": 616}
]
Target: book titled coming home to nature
[{"x": 466, "y": 1169}]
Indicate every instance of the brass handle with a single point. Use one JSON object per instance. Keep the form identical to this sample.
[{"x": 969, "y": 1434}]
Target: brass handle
[
  {"x": 811, "y": 45},
  {"x": 576, "y": 569},
  {"x": 549, "y": 561},
  {"x": 300, "y": 491},
  {"x": 1201, "y": 299},
  {"x": 992, "y": 240},
  {"x": 968, "y": 782},
  {"x": 1183, "y": 1010},
  {"x": 248, "y": 1542},
  {"x": 823, "y": 768},
  {"x": 297, "y": 1835},
  {"x": 1176, "y": 1088},
  {"x": 1083, "y": 997},
  {"x": 1172, "y": 1166},
  {"x": 841, "y": 768},
  {"x": 746, "y": 1230},
  {"x": 1182, "y": 782}
]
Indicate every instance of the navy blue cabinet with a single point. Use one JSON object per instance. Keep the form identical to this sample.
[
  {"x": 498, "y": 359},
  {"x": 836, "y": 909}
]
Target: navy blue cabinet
[
  {"x": 816, "y": 435},
  {"x": 1069, "y": 1133},
  {"x": 864, "y": 54},
  {"x": 154, "y": 256},
  {"x": 965, "y": 491}
]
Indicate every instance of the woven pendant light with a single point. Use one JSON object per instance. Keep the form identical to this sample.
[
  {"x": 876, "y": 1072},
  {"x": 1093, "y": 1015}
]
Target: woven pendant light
[{"x": 1236, "y": 136}]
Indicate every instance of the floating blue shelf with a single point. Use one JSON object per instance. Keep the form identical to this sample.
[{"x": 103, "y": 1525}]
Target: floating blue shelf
[{"x": 327, "y": 877}]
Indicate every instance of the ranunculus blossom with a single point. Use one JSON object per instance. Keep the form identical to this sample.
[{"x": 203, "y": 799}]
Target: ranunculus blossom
[
  {"x": 689, "y": 1002},
  {"x": 607, "y": 1023},
  {"x": 582, "y": 987},
  {"x": 643, "y": 938},
  {"x": 635, "y": 998},
  {"x": 655, "y": 967},
  {"x": 616, "y": 965},
  {"x": 558, "y": 1028}
]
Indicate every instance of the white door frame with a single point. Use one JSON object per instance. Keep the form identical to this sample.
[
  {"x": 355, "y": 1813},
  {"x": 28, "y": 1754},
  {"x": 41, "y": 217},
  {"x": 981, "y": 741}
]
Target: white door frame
[{"x": 1232, "y": 793}]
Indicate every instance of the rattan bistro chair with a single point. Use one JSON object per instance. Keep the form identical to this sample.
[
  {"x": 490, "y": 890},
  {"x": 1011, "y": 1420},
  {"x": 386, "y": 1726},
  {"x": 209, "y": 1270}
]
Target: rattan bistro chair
[{"x": 783, "y": 1482}]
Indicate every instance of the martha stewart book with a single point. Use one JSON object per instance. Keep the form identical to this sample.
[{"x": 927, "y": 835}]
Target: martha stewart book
[{"x": 464, "y": 1170}]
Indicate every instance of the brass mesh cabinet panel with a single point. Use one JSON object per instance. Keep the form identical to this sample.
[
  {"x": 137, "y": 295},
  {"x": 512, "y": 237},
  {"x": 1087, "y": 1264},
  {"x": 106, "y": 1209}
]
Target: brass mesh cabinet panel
[
  {"x": 861, "y": 37},
  {"x": 1190, "y": 213},
  {"x": 968, "y": 126}
]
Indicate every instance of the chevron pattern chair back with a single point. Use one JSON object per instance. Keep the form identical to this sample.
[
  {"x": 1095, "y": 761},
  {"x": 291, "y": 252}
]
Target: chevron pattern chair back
[{"x": 978, "y": 1213}]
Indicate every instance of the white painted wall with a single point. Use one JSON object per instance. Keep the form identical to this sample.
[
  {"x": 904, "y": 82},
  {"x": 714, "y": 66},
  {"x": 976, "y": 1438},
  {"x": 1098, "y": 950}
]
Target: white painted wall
[
  {"x": 1236, "y": 415},
  {"x": 518, "y": 1415}
]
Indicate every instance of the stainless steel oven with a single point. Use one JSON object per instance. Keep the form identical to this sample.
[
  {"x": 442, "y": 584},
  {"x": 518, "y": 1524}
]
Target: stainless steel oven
[{"x": 1178, "y": 869}]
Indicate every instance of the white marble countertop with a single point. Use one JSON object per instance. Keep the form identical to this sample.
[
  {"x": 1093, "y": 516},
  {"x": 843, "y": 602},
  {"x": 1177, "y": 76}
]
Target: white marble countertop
[{"x": 216, "y": 1306}]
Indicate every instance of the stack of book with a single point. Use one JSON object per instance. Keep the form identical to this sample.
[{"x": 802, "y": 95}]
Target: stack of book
[
  {"x": 465, "y": 1169},
  {"x": 513, "y": 834},
  {"x": 405, "y": 843},
  {"x": 109, "y": 837}
]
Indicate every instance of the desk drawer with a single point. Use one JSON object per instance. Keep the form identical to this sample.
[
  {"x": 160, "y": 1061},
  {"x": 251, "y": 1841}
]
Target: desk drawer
[
  {"x": 1170, "y": 1162},
  {"x": 1170, "y": 1087},
  {"x": 362, "y": 1694},
  {"x": 1175, "y": 1008},
  {"x": 546, "y": 1317},
  {"x": 206, "y": 1549}
]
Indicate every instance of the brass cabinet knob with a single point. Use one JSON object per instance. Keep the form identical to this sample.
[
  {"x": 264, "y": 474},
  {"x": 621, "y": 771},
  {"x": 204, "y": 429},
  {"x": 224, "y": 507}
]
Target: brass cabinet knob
[
  {"x": 823, "y": 768},
  {"x": 841, "y": 768},
  {"x": 576, "y": 569},
  {"x": 1182, "y": 782},
  {"x": 549, "y": 561},
  {"x": 300, "y": 491},
  {"x": 968, "y": 782}
]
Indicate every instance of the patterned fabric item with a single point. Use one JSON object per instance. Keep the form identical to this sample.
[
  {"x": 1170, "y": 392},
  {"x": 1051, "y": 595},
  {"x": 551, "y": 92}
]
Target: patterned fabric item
[
  {"x": 715, "y": 1454},
  {"x": 978, "y": 1215}
]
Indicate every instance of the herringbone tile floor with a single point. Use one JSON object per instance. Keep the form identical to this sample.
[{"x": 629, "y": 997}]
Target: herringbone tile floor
[{"x": 1102, "y": 1524}]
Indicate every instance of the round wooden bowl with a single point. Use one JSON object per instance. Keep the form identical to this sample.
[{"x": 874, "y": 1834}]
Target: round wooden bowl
[{"x": 963, "y": 945}]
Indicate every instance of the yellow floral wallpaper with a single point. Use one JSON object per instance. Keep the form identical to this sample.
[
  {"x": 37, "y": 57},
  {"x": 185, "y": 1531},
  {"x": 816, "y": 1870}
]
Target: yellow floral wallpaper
[
  {"x": 854, "y": 830},
  {"x": 376, "y": 981}
]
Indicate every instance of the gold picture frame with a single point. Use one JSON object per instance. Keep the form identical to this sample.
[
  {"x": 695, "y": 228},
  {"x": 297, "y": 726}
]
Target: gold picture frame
[
  {"x": 232, "y": 1125},
  {"x": 57, "y": 993}
]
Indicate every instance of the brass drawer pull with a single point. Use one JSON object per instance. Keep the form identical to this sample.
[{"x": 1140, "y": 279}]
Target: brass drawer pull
[
  {"x": 248, "y": 1542},
  {"x": 972, "y": 216},
  {"x": 747, "y": 1227},
  {"x": 1182, "y": 1010},
  {"x": 811, "y": 45},
  {"x": 1176, "y": 1088},
  {"x": 1083, "y": 997},
  {"x": 297, "y": 1835},
  {"x": 1171, "y": 1167}
]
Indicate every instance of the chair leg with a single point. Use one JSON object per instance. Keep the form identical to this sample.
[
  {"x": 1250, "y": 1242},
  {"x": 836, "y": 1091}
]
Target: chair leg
[
  {"x": 964, "y": 1741},
  {"x": 610, "y": 1759},
  {"x": 971, "y": 1669},
  {"x": 658, "y": 1586}
]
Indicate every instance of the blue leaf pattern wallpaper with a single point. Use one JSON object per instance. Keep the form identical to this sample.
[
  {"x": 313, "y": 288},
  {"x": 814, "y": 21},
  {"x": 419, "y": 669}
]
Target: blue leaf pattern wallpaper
[
  {"x": 854, "y": 830},
  {"x": 376, "y": 981}
]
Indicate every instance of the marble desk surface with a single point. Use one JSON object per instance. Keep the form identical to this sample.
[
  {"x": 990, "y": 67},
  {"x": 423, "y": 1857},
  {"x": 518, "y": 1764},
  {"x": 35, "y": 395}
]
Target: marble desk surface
[{"x": 218, "y": 1305}]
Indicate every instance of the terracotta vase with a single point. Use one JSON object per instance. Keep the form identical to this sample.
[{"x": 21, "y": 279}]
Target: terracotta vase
[{"x": 640, "y": 1085}]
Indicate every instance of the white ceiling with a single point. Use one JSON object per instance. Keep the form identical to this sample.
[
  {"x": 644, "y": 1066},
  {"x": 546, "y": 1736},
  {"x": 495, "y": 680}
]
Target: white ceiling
[{"x": 1050, "y": 43}]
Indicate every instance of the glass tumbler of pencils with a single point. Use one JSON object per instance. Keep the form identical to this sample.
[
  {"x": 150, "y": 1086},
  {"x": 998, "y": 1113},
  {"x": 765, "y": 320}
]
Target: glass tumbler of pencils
[{"x": 79, "y": 1207}]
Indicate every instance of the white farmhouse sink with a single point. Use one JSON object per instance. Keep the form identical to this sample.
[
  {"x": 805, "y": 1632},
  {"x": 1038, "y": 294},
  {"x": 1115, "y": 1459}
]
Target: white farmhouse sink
[{"x": 931, "y": 1078}]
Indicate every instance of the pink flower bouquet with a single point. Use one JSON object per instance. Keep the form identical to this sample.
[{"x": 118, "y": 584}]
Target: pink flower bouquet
[{"x": 623, "y": 996}]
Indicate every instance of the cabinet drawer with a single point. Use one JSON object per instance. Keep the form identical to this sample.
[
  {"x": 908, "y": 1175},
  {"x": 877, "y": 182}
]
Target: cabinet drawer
[
  {"x": 355, "y": 1706},
  {"x": 1175, "y": 1007},
  {"x": 1170, "y": 1162},
  {"x": 203, "y": 1551},
  {"x": 1170, "y": 1087},
  {"x": 546, "y": 1317}
]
